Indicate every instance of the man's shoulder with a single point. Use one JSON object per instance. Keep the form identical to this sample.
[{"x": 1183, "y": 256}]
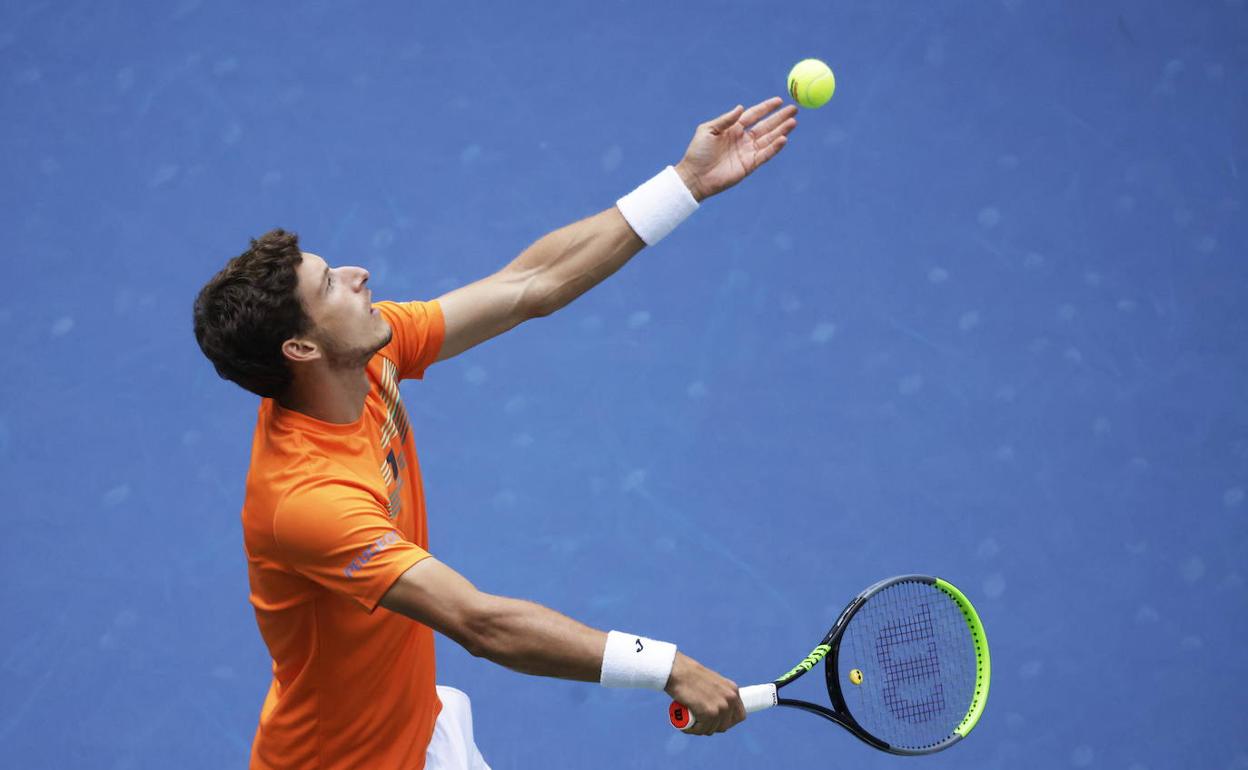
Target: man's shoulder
[
  {"x": 321, "y": 502},
  {"x": 324, "y": 481},
  {"x": 306, "y": 476},
  {"x": 417, "y": 332}
]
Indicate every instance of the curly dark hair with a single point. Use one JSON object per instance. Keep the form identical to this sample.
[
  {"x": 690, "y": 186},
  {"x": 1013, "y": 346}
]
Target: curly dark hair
[{"x": 245, "y": 313}]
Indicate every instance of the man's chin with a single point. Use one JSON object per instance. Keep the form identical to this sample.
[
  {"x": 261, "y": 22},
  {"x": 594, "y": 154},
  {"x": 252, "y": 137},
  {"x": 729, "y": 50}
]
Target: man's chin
[{"x": 358, "y": 358}]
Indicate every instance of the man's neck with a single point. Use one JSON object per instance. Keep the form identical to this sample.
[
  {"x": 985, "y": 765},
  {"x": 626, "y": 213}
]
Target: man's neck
[{"x": 330, "y": 395}]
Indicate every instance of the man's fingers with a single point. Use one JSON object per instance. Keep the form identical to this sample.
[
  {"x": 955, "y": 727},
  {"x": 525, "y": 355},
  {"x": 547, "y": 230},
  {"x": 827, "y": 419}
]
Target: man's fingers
[
  {"x": 773, "y": 120},
  {"x": 737, "y": 714},
  {"x": 709, "y": 724},
  {"x": 712, "y": 699},
  {"x": 731, "y": 710},
  {"x": 769, "y": 152},
  {"x": 727, "y": 119},
  {"x": 759, "y": 110},
  {"x": 751, "y": 116},
  {"x": 705, "y": 726},
  {"x": 763, "y": 140}
]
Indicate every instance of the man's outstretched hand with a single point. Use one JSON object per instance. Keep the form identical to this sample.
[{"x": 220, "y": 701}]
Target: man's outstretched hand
[{"x": 728, "y": 149}]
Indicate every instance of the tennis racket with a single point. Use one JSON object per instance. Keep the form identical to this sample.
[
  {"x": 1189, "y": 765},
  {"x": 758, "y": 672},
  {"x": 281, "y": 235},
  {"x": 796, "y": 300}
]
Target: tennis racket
[{"x": 906, "y": 664}]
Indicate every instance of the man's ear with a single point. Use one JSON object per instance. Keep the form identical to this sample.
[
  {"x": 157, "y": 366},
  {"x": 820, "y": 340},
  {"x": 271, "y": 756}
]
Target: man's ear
[{"x": 301, "y": 349}]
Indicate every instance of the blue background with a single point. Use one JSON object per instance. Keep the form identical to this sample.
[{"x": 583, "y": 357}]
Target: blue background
[{"x": 982, "y": 318}]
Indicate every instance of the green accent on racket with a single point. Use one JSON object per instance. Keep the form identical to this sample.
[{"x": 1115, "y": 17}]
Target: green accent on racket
[{"x": 983, "y": 662}]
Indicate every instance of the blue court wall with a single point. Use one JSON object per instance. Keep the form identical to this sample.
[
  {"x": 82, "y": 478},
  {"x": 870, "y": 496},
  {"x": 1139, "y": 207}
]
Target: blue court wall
[{"x": 982, "y": 318}]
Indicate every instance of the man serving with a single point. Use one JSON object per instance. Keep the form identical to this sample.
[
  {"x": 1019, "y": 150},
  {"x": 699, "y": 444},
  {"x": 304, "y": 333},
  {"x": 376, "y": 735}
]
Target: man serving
[{"x": 334, "y": 520}]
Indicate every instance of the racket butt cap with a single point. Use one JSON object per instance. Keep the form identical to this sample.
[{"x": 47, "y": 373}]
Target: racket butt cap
[{"x": 679, "y": 716}]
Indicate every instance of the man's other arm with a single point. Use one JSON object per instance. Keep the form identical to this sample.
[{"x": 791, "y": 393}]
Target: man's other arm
[{"x": 533, "y": 639}]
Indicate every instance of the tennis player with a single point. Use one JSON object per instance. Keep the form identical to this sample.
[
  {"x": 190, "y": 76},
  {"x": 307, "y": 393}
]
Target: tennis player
[{"x": 334, "y": 522}]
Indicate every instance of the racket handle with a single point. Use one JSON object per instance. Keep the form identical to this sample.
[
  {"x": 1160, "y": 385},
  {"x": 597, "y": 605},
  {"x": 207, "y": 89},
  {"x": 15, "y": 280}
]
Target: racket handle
[{"x": 755, "y": 698}]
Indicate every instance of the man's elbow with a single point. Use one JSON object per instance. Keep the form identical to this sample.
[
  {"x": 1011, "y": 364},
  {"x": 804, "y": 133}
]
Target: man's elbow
[
  {"x": 549, "y": 295},
  {"x": 481, "y": 634},
  {"x": 531, "y": 292},
  {"x": 542, "y": 298},
  {"x": 495, "y": 630},
  {"x": 475, "y": 645}
]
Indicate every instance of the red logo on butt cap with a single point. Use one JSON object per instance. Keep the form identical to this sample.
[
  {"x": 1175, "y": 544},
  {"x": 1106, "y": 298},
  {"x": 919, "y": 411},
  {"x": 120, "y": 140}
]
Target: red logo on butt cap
[{"x": 679, "y": 715}]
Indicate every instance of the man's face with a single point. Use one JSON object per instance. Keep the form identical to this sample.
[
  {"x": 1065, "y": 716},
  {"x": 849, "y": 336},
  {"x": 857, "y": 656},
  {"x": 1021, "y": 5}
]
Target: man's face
[{"x": 344, "y": 324}]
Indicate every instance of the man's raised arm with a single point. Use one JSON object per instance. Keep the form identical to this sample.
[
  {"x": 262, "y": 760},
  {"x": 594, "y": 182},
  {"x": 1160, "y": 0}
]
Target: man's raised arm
[{"x": 568, "y": 262}]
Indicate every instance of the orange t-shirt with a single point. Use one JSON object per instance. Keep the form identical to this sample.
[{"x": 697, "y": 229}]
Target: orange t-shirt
[{"x": 333, "y": 515}]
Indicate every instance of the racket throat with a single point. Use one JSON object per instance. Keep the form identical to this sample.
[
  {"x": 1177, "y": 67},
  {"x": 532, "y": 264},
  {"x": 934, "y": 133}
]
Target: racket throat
[{"x": 832, "y": 716}]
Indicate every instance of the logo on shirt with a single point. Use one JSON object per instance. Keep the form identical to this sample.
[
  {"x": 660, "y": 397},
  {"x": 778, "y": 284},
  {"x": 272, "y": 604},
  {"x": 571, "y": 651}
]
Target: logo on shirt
[
  {"x": 374, "y": 548},
  {"x": 394, "y": 428}
]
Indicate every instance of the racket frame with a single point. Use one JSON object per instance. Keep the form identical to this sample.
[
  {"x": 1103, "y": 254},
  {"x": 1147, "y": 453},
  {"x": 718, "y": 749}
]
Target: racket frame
[{"x": 828, "y": 651}]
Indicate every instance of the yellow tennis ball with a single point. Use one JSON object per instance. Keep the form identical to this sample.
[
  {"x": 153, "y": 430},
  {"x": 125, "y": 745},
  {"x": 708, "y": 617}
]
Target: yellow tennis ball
[
  {"x": 811, "y": 83},
  {"x": 855, "y": 676}
]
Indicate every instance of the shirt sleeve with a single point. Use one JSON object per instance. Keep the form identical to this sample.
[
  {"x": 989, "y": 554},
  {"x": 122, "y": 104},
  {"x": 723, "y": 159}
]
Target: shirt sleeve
[
  {"x": 419, "y": 330},
  {"x": 339, "y": 536}
]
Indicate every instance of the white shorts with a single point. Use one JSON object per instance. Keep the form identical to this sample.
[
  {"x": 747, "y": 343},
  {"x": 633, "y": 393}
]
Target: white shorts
[{"x": 452, "y": 746}]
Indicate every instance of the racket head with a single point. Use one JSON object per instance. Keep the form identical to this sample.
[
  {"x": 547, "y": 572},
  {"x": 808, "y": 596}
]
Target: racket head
[{"x": 909, "y": 667}]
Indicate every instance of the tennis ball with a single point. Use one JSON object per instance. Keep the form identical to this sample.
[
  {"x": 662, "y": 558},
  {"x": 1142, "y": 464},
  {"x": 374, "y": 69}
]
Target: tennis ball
[
  {"x": 855, "y": 676},
  {"x": 811, "y": 83}
]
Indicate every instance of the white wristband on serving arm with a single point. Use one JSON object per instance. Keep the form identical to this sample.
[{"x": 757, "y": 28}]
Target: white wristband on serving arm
[
  {"x": 635, "y": 661},
  {"x": 655, "y": 208}
]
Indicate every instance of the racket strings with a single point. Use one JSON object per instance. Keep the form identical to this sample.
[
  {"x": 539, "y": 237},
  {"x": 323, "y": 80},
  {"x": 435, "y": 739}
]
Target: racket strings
[
  {"x": 904, "y": 671},
  {"x": 917, "y": 658}
]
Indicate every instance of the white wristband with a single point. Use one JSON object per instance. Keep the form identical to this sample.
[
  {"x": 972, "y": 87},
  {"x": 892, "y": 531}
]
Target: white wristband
[
  {"x": 655, "y": 208},
  {"x": 635, "y": 661}
]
